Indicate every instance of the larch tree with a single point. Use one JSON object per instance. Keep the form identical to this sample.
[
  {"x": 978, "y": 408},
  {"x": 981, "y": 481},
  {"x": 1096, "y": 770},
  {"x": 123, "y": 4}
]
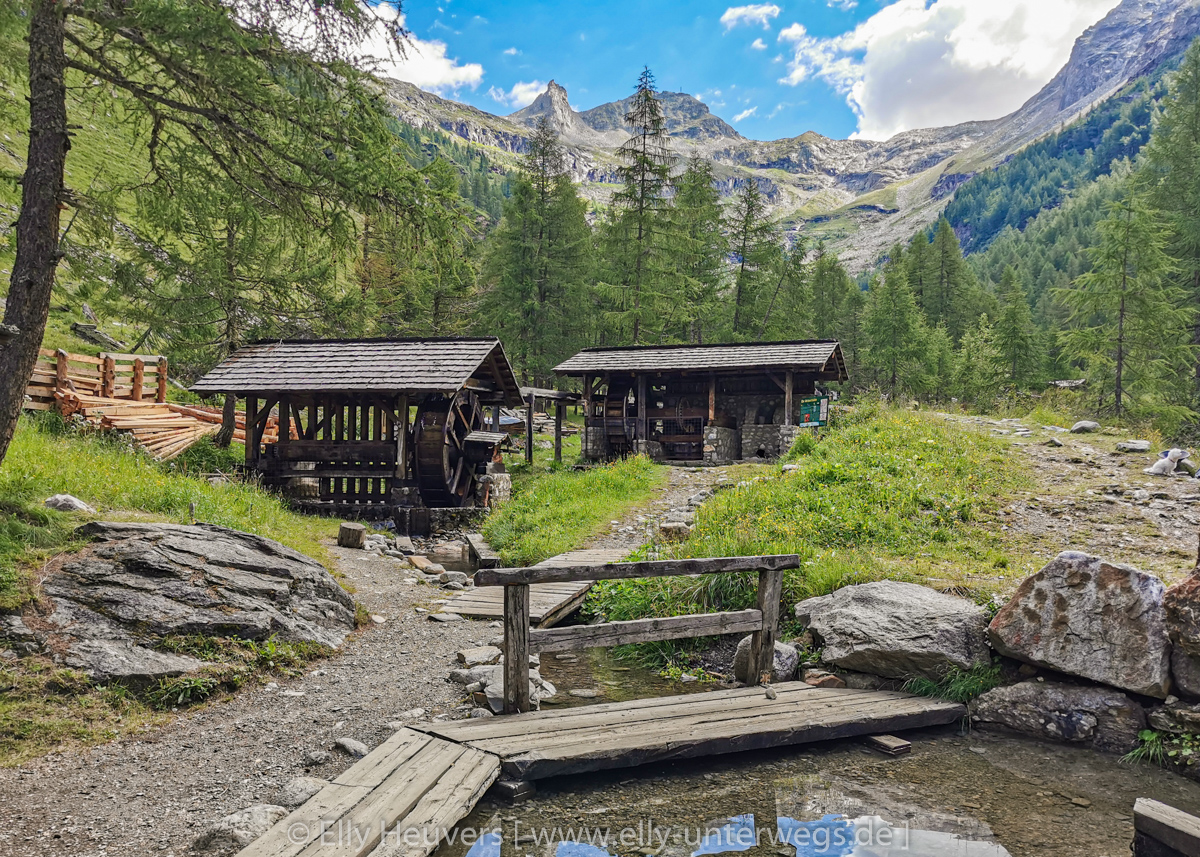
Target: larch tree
[
  {"x": 268, "y": 96},
  {"x": 830, "y": 287},
  {"x": 1130, "y": 322},
  {"x": 753, "y": 240},
  {"x": 639, "y": 223},
  {"x": 893, "y": 330},
  {"x": 700, "y": 251},
  {"x": 946, "y": 281},
  {"x": 1017, "y": 338}
]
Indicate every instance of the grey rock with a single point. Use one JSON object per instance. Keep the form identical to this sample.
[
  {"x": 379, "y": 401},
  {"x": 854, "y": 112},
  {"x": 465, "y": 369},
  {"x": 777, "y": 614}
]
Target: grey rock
[
  {"x": 1185, "y": 674},
  {"x": 112, "y": 603},
  {"x": 583, "y": 693},
  {"x": 1133, "y": 446},
  {"x": 445, "y": 617},
  {"x": 67, "y": 503},
  {"x": 476, "y": 713},
  {"x": 479, "y": 656},
  {"x": 234, "y": 832},
  {"x": 1089, "y": 618},
  {"x": 1099, "y": 717},
  {"x": 453, "y": 577},
  {"x": 896, "y": 629},
  {"x": 783, "y": 666},
  {"x": 298, "y": 790},
  {"x": 124, "y": 662},
  {"x": 454, "y": 586},
  {"x": 316, "y": 757},
  {"x": 539, "y": 688},
  {"x": 1054, "y": 442},
  {"x": 354, "y": 748},
  {"x": 1176, "y": 717},
  {"x": 1085, "y": 426},
  {"x": 674, "y": 531}
]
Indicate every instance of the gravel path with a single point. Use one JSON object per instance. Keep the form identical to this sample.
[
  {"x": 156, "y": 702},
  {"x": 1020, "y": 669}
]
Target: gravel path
[{"x": 153, "y": 795}]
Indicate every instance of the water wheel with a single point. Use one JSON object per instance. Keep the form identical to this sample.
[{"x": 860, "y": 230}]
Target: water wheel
[{"x": 445, "y": 476}]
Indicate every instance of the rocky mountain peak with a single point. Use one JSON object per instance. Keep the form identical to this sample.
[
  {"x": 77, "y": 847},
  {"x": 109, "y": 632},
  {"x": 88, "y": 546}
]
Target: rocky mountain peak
[{"x": 555, "y": 106}]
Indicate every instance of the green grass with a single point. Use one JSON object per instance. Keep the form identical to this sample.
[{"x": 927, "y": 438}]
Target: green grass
[
  {"x": 957, "y": 685},
  {"x": 48, "y": 458},
  {"x": 554, "y": 510},
  {"x": 883, "y": 494}
]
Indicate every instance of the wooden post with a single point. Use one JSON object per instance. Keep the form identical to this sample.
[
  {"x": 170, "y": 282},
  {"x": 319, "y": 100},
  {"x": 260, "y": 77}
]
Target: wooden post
[
  {"x": 402, "y": 437},
  {"x": 516, "y": 648},
  {"x": 253, "y": 433},
  {"x": 496, "y": 418},
  {"x": 139, "y": 378},
  {"x": 60, "y": 369},
  {"x": 161, "y": 392},
  {"x": 712, "y": 400},
  {"x": 788, "y": 386},
  {"x": 285, "y": 422},
  {"x": 558, "y": 417},
  {"x": 642, "y": 387},
  {"x": 529, "y": 429},
  {"x": 108, "y": 376},
  {"x": 762, "y": 643}
]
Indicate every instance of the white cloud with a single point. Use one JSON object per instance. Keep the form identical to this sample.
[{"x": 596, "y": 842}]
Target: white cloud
[
  {"x": 512, "y": 52},
  {"x": 844, "y": 5},
  {"x": 758, "y": 45},
  {"x": 748, "y": 112},
  {"x": 917, "y": 64},
  {"x": 424, "y": 62},
  {"x": 521, "y": 95},
  {"x": 756, "y": 13}
]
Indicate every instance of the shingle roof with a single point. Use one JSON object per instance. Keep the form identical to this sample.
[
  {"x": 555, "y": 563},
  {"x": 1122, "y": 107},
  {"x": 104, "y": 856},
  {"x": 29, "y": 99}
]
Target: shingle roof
[
  {"x": 361, "y": 365},
  {"x": 807, "y": 356}
]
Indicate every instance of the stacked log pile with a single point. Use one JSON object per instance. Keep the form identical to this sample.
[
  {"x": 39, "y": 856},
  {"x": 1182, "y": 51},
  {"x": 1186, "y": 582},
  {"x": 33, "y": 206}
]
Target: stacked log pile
[{"x": 163, "y": 429}]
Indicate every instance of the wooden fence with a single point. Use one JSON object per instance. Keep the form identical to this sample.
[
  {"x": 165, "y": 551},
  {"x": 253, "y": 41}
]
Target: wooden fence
[
  {"x": 137, "y": 377},
  {"x": 520, "y": 641}
]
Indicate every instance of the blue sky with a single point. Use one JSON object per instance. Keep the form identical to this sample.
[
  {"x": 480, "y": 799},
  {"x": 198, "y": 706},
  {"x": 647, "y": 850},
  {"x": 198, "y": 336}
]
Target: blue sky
[{"x": 840, "y": 67}]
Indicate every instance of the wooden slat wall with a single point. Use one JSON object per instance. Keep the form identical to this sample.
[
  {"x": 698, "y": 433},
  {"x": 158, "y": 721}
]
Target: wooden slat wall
[{"x": 137, "y": 377}]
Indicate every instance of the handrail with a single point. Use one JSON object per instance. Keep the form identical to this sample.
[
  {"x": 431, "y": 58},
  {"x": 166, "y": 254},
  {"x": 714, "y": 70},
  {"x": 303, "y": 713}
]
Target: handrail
[{"x": 520, "y": 641}]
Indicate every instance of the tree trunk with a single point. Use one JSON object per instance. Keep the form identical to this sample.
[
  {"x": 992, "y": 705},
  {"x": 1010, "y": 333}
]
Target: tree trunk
[
  {"x": 38, "y": 223},
  {"x": 224, "y": 435}
]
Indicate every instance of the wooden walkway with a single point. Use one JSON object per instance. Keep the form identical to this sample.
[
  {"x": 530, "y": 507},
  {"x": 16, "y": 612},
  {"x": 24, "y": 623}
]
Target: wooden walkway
[
  {"x": 542, "y": 744},
  {"x": 549, "y": 603},
  {"x": 405, "y": 796},
  {"x": 411, "y": 782}
]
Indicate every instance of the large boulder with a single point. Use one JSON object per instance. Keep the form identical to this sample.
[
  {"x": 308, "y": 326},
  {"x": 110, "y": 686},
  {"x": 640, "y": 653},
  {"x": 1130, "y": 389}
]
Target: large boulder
[
  {"x": 783, "y": 665},
  {"x": 112, "y": 604},
  {"x": 896, "y": 629},
  {"x": 1086, "y": 617},
  {"x": 234, "y": 832},
  {"x": 1181, "y": 610},
  {"x": 1096, "y": 716}
]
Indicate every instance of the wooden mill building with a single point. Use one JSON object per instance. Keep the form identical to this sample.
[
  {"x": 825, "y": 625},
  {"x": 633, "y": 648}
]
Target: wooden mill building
[
  {"x": 376, "y": 422},
  {"x": 710, "y": 403}
]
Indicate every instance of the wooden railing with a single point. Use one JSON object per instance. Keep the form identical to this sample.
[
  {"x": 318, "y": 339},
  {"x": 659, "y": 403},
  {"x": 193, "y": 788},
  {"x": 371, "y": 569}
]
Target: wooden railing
[
  {"x": 520, "y": 641},
  {"x": 137, "y": 377}
]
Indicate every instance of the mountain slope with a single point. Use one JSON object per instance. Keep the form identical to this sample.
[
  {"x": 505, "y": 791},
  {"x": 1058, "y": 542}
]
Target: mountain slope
[{"x": 859, "y": 195}]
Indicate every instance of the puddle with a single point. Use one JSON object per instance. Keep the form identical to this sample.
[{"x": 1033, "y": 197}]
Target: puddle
[{"x": 955, "y": 795}]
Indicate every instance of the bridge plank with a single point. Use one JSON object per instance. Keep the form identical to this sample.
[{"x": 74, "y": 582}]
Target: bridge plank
[{"x": 557, "y": 573}]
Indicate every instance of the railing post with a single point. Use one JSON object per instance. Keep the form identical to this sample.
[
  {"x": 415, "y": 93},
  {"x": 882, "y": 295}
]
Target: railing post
[
  {"x": 762, "y": 643},
  {"x": 161, "y": 393},
  {"x": 529, "y": 428},
  {"x": 60, "y": 369},
  {"x": 108, "y": 375},
  {"x": 558, "y": 423},
  {"x": 516, "y": 648},
  {"x": 139, "y": 377}
]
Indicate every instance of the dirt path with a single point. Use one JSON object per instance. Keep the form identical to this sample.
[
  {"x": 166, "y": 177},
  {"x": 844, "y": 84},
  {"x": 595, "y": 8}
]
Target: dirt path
[
  {"x": 153, "y": 795},
  {"x": 1088, "y": 496}
]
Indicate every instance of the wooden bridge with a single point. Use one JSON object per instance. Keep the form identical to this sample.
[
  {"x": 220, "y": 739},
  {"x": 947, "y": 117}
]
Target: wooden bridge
[{"x": 407, "y": 794}]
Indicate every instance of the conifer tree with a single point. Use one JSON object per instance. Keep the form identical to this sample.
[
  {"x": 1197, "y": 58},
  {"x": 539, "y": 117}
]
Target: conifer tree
[
  {"x": 699, "y": 251},
  {"x": 831, "y": 288},
  {"x": 754, "y": 242},
  {"x": 1130, "y": 324},
  {"x": 977, "y": 368},
  {"x": 1017, "y": 338},
  {"x": 636, "y": 232},
  {"x": 893, "y": 330},
  {"x": 946, "y": 281}
]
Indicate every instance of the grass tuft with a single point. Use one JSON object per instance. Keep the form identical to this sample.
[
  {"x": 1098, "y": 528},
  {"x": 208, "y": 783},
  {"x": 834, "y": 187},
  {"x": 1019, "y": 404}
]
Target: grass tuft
[{"x": 957, "y": 685}]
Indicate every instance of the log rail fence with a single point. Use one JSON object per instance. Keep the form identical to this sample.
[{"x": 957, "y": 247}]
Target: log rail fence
[
  {"x": 134, "y": 377},
  {"x": 520, "y": 641}
]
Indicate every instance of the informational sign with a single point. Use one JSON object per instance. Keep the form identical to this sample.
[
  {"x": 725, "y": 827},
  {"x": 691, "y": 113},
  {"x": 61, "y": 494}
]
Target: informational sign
[{"x": 814, "y": 411}]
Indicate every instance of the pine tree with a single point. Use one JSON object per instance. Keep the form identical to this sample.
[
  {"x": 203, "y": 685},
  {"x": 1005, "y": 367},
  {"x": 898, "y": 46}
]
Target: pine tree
[
  {"x": 700, "y": 249},
  {"x": 831, "y": 288},
  {"x": 1171, "y": 172},
  {"x": 754, "y": 242},
  {"x": 1017, "y": 338},
  {"x": 636, "y": 232},
  {"x": 893, "y": 331},
  {"x": 946, "y": 281},
  {"x": 1131, "y": 326},
  {"x": 977, "y": 367}
]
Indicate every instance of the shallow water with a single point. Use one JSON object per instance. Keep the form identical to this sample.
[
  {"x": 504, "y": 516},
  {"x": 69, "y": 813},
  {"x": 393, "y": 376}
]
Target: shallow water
[{"x": 966, "y": 795}]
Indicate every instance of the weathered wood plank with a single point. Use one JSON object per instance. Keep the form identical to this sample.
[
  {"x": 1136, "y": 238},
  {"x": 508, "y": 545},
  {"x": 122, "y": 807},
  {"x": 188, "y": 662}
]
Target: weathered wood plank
[
  {"x": 644, "y": 631},
  {"x": 626, "y": 570},
  {"x": 482, "y": 551},
  {"x": 516, "y": 649},
  {"x": 762, "y": 643},
  {"x": 1172, "y": 827}
]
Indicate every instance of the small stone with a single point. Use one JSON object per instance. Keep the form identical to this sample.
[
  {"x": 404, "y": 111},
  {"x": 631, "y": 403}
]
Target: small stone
[
  {"x": 687, "y": 679},
  {"x": 1133, "y": 446},
  {"x": 1081, "y": 801},
  {"x": 966, "y": 804},
  {"x": 354, "y": 748},
  {"x": 476, "y": 713},
  {"x": 316, "y": 757},
  {"x": 479, "y": 656},
  {"x": 822, "y": 678},
  {"x": 377, "y": 619},
  {"x": 454, "y": 586},
  {"x": 453, "y": 577},
  {"x": 583, "y": 693},
  {"x": 673, "y": 531},
  {"x": 1085, "y": 426},
  {"x": 413, "y": 714},
  {"x": 67, "y": 503},
  {"x": 236, "y": 831},
  {"x": 298, "y": 790},
  {"x": 445, "y": 617},
  {"x": 1054, "y": 442}
]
